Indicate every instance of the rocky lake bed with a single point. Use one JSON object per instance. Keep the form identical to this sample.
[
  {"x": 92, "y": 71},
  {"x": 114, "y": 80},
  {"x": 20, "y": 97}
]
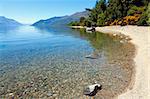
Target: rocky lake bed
[{"x": 60, "y": 70}]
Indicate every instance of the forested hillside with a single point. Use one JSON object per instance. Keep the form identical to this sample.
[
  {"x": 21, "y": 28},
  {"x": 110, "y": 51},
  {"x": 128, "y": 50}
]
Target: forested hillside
[{"x": 117, "y": 12}]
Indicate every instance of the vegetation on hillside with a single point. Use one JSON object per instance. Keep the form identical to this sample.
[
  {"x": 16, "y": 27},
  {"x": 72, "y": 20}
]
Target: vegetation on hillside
[{"x": 117, "y": 12}]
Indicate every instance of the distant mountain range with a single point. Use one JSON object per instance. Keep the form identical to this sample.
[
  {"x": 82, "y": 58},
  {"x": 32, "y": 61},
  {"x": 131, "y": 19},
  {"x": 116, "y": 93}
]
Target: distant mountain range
[
  {"x": 60, "y": 21},
  {"x": 6, "y": 22},
  {"x": 54, "y": 21}
]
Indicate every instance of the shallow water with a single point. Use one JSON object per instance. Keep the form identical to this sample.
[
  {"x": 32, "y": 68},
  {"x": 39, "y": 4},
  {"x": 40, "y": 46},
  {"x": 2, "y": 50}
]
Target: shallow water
[{"x": 38, "y": 63}]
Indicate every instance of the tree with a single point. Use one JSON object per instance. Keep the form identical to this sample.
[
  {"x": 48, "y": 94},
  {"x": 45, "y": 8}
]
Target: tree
[
  {"x": 101, "y": 19},
  {"x": 99, "y": 8},
  {"x": 106, "y": 12},
  {"x": 139, "y": 2},
  {"x": 88, "y": 23},
  {"x": 114, "y": 9},
  {"x": 82, "y": 21},
  {"x": 117, "y": 9},
  {"x": 125, "y": 6}
]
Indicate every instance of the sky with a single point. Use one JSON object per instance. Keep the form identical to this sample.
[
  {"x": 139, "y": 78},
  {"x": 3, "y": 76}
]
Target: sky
[{"x": 30, "y": 11}]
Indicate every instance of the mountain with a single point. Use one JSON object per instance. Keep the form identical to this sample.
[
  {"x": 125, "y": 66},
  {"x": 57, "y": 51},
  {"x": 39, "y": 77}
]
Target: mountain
[
  {"x": 61, "y": 21},
  {"x": 6, "y": 22}
]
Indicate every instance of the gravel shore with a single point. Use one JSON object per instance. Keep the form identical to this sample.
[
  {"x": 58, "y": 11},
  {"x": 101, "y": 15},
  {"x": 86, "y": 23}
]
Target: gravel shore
[{"x": 141, "y": 38}]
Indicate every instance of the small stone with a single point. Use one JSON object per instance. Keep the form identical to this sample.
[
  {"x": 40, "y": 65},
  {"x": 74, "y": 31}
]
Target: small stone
[
  {"x": 11, "y": 94},
  {"x": 121, "y": 36},
  {"x": 54, "y": 95},
  {"x": 49, "y": 94},
  {"x": 114, "y": 34},
  {"x": 121, "y": 41}
]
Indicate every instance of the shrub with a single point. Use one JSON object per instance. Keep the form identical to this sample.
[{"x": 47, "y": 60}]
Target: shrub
[
  {"x": 145, "y": 17},
  {"x": 143, "y": 20},
  {"x": 135, "y": 10}
]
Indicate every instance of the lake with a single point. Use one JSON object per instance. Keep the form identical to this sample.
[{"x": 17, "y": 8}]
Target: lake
[{"x": 51, "y": 62}]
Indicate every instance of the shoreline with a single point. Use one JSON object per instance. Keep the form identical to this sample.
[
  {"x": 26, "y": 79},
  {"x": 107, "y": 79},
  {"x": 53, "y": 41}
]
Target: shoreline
[{"x": 141, "y": 40}]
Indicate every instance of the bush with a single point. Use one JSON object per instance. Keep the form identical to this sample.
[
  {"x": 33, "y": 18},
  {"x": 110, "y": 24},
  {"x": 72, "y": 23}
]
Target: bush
[
  {"x": 135, "y": 10},
  {"x": 145, "y": 17},
  {"x": 128, "y": 20}
]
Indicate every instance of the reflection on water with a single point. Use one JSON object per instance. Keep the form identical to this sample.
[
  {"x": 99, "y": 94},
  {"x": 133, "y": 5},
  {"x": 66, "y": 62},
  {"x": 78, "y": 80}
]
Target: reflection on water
[{"x": 51, "y": 63}]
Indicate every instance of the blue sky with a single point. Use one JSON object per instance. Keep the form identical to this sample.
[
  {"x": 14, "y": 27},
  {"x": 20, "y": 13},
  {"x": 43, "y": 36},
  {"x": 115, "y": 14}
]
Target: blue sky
[{"x": 30, "y": 11}]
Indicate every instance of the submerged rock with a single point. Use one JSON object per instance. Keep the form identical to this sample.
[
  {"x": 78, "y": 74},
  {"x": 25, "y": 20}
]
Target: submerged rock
[
  {"x": 94, "y": 55},
  {"x": 91, "y": 56}
]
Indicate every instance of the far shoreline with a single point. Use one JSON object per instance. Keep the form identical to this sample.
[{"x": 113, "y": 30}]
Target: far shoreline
[{"x": 139, "y": 36}]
